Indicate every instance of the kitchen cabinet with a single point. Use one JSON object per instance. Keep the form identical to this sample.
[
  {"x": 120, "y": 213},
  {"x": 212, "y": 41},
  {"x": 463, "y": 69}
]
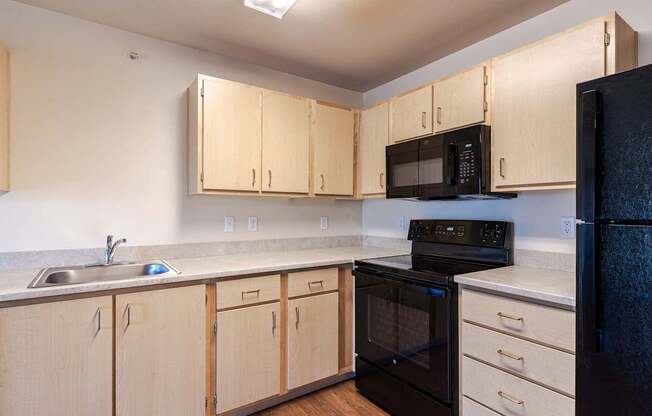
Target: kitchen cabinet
[
  {"x": 411, "y": 114},
  {"x": 333, "y": 135},
  {"x": 460, "y": 100},
  {"x": 312, "y": 339},
  {"x": 248, "y": 355},
  {"x": 226, "y": 141},
  {"x": 56, "y": 358},
  {"x": 160, "y": 344},
  {"x": 374, "y": 137},
  {"x": 534, "y": 100},
  {"x": 285, "y": 143},
  {"x": 4, "y": 119}
]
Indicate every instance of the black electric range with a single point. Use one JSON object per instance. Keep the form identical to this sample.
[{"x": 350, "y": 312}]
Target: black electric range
[{"x": 406, "y": 314}]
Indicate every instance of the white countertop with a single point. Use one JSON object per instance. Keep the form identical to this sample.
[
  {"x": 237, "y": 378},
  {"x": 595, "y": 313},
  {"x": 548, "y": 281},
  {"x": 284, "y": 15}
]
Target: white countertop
[
  {"x": 549, "y": 286},
  {"x": 13, "y": 284}
]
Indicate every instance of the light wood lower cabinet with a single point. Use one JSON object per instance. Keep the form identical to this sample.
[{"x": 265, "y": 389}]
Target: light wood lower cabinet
[
  {"x": 312, "y": 339},
  {"x": 248, "y": 355},
  {"x": 56, "y": 358},
  {"x": 160, "y": 346}
]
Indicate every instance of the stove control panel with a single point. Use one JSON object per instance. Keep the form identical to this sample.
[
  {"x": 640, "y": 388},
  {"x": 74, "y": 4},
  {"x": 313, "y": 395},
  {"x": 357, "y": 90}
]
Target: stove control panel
[{"x": 477, "y": 233}]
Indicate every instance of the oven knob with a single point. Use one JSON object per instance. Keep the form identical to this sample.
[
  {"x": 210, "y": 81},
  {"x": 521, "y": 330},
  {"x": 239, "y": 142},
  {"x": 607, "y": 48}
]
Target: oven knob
[{"x": 394, "y": 362}]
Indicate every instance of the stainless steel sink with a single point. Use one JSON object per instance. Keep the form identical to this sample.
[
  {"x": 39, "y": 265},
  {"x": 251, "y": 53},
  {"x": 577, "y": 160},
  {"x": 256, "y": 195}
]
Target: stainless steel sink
[{"x": 58, "y": 276}]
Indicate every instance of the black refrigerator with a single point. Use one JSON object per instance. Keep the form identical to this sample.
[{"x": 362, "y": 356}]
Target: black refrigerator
[{"x": 614, "y": 245}]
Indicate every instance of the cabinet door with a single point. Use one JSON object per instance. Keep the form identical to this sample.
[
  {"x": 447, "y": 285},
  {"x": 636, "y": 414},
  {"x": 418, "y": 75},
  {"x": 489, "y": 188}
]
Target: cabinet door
[
  {"x": 312, "y": 339},
  {"x": 248, "y": 355},
  {"x": 533, "y": 110},
  {"x": 286, "y": 134},
  {"x": 160, "y": 352},
  {"x": 4, "y": 118},
  {"x": 374, "y": 137},
  {"x": 459, "y": 101},
  {"x": 411, "y": 114},
  {"x": 232, "y": 130},
  {"x": 56, "y": 358},
  {"x": 333, "y": 136}
]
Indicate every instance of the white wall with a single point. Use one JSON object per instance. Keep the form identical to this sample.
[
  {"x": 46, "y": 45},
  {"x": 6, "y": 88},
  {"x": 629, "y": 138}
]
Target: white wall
[
  {"x": 99, "y": 141},
  {"x": 536, "y": 214}
]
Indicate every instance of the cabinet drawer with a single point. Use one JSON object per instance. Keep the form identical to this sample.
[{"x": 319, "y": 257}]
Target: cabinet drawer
[
  {"x": 510, "y": 395},
  {"x": 248, "y": 291},
  {"x": 540, "y": 323},
  {"x": 545, "y": 365},
  {"x": 471, "y": 408},
  {"x": 312, "y": 281}
]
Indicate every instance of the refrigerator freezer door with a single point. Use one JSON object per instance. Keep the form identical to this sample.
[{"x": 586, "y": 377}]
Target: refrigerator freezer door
[
  {"x": 614, "y": 368},
  {"x": 623, "y": 147}
]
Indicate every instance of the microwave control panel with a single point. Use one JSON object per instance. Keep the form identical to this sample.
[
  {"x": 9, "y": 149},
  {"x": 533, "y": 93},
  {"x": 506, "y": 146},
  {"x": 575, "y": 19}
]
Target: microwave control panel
[{"x": 467, "y": 162}]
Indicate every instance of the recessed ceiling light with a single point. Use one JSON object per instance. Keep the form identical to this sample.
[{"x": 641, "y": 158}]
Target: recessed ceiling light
[{"x": 276, "y": 8}]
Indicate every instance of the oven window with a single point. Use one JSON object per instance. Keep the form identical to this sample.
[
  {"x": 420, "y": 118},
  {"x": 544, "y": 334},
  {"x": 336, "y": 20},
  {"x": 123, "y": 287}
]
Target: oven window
[
  {"x": 431, "y": 171},
  {"x": 382, "y": 325},
  {"x": 414, "y": 335}
]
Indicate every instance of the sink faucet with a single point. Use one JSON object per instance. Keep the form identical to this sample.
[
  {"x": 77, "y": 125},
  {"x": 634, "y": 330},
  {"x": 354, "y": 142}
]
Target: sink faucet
[{"x": 111, "y": 248}]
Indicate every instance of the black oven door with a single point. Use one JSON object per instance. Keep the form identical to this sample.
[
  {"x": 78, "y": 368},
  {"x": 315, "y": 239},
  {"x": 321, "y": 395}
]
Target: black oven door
[
  {"x": 403, "y": 170},
  {"x": 405, "y": 329}
]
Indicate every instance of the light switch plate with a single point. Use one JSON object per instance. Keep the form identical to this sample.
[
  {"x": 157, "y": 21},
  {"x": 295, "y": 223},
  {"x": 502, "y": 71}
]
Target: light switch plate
[
  {"x": 252, "y": 224},
  {"x": 567, "y": 227},
  {"x": 323, "y": 223},
  {"x": 229, "y": 224}
]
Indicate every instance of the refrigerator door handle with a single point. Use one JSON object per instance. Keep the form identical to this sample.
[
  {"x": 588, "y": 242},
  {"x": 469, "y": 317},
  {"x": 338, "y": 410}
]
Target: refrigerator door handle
[
  {"x": 588, "y": 110},
  {"x": 587, "y": 313}
]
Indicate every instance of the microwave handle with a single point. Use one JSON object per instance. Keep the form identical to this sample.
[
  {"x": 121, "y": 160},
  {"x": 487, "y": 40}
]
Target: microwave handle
[{"x": 453, "y": 167}]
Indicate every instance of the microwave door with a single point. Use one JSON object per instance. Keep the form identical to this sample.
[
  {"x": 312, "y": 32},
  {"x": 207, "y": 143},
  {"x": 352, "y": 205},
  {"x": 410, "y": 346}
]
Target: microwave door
[
  {"x": 403, "y": 170},
  {"x": 432, "y": 168}
]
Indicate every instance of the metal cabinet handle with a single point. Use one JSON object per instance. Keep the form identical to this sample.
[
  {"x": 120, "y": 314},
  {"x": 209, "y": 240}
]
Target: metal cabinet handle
[
  {"x": 273, "y": 322},
  {"x": 296, "y": 310},
  {"x": 423, "y": 119},
  {"x": 508, "y": 316},
  {"x": 128, "y": 311},
  {"x": 269, "y": 185},
  {"x": 250, "y": 292},
  {"x": 253, "y": 178},
  {"x": 439, "y": 115},
  {"x": 501, "y": 167},
  {"x": 323, "y": 182},
  {"x": 99, "y": 319},
  {"x": 510, "y": 355},
  {"x": 382, "y": 185},
  {"x": 319, "y": 282},
  {"x": 511, "y": 398}
]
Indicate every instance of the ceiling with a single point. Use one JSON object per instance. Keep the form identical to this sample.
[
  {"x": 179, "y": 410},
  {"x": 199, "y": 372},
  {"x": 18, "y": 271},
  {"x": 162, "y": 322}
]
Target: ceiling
[{"x": 354, "y": 44}]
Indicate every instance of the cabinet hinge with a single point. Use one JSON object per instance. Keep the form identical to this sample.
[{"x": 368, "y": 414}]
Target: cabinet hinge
[
  {"x": 607, "y": 39},
  {"x": 215, "y": 328},
  {"x": 486, "y": 79},
  {"x": 485, "y": 106},
  {"x": 202, "y": 91},
  {"x": 201, "y": 178},
  {"x": 215, "y": 403},
  {"x": 205, "y": 402}
]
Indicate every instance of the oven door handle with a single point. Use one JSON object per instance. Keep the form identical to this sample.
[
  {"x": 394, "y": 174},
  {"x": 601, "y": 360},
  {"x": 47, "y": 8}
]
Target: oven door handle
[{"x": 400, "y": 281}]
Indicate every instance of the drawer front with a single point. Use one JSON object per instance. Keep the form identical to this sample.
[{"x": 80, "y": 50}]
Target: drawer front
[
  {"x": 540, "y": 323},
  {"x": 545, "y": 365},
  {"x": 248, "y": 291},
  {"x": 510, "y": 395},
  {"x": 312, "y": 281},
  {"x": 471, "y": 408}
]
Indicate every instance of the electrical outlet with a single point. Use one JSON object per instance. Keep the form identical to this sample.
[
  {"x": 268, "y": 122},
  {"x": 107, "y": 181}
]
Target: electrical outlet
[
  {"x": 229, "y": 224},
  {"x": 567, "y": 229},
  {"x": 402, "y": 222},
  {"x": 252, "y": 224},
  {"x": 323, "y": 223}
]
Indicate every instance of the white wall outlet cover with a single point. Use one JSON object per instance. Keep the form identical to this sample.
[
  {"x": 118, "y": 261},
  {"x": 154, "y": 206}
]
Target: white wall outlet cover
[
  {"x": 567, "y": 227},
  {"x": 229, "y": 224},
  {"x": 252, "y": 224},
  {"x": 323, "y": 223}
]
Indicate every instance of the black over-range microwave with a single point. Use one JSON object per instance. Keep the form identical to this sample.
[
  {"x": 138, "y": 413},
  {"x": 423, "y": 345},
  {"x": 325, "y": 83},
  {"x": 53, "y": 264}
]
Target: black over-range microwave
[{"x": 452, "y": 165}]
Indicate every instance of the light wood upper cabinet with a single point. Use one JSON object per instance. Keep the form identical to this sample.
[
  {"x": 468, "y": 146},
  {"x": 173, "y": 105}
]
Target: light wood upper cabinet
[
  {"x": 160, "y": 352},
  {"x": 459, "y": 100},
  {"x": 411, "y": 114},
  {"x": 374, "y": 137},
  {"x": 312, "y": 339},
  {"x": 231, "y": 136},
  {"x": 333, "y": 130},
  {"x": 286, "y": 137},
  {"x": 4, "y": 119},
  {"x": 56, "y": 358},
  {"x": 534, "y": 101},
  {"x": 248, "y": 355}
]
